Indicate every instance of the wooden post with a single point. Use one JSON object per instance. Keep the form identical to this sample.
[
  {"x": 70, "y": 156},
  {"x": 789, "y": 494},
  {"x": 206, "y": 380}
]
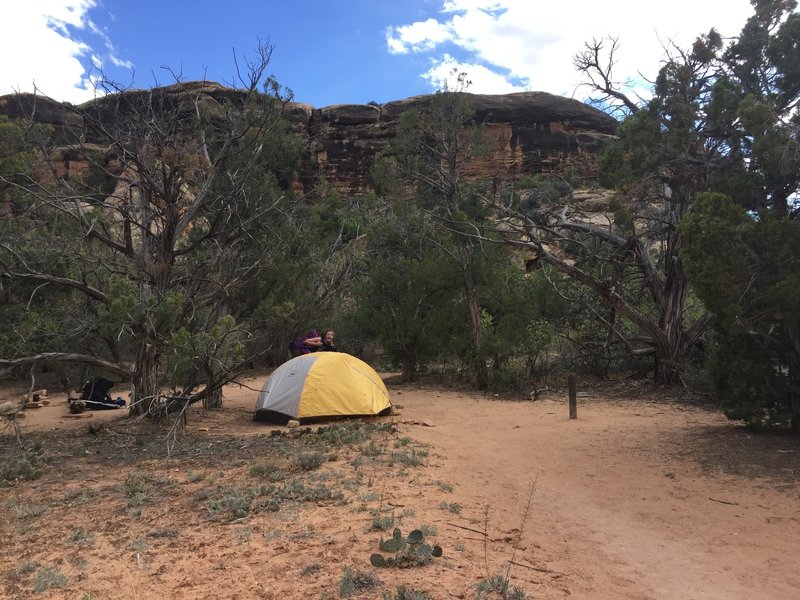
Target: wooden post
[{"x": 573, "y": 396}]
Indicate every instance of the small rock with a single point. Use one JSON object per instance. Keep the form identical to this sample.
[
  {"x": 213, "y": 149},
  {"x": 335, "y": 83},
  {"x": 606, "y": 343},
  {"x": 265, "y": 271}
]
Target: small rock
[{"x": 292, "y": 424}]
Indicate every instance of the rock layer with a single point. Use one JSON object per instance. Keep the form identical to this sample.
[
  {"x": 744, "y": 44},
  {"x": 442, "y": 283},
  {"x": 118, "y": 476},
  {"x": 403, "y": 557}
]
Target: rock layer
[{"x": 530, "y": 132}]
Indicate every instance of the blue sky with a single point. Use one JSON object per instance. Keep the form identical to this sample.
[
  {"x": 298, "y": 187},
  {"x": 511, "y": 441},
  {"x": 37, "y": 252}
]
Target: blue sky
[{"x": 342, "y": 51}]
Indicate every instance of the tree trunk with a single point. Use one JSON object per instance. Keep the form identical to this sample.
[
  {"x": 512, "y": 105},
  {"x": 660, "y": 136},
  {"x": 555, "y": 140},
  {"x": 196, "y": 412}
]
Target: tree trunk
[
  {"x": 670, "y": 350},
  {"x": 213, "y": 400},
  {"x": 474, "y": 315},
  {"x": 409, "y": 365},
  {"x": 145, "y": 388}
]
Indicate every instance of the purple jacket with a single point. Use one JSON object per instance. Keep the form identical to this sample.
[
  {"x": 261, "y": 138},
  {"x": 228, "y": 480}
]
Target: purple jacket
[{"x": 299, "y": 346}]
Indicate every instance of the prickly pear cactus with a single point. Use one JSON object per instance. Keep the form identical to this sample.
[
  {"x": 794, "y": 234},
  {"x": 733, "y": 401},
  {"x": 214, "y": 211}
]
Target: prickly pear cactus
[
  {"x": 415, "y": 537},
  {"x": 408, "y": 552},
  {"x": 377, "y": 560}
]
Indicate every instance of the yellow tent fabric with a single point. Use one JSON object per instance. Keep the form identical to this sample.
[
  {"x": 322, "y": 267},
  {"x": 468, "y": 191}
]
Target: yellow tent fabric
[{"x": 322, "y": 384}]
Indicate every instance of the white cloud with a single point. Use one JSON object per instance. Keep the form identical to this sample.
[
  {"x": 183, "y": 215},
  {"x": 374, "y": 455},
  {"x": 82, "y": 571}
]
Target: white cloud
[
  {"x": 444, "y": 73},
  {"x": 512, "y": 44},
  {"x": 417, "y": 37},
  {"x": 43, "y": 45}
]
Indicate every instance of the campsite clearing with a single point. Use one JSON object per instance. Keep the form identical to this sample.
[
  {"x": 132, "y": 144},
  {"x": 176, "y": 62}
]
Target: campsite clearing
[{"x": 641, "y": 497}]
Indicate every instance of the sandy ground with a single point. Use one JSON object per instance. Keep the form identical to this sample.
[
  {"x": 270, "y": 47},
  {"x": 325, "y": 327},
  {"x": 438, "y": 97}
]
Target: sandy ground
[{"x": 640, "y": 497}]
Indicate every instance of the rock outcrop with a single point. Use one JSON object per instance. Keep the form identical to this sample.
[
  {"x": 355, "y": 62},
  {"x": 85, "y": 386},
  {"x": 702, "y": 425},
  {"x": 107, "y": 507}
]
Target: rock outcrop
[{"x": 529, "y": 132}]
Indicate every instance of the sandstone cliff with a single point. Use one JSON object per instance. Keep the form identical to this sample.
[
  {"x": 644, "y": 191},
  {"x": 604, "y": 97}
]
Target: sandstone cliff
[{"x": 530, "y": 132}]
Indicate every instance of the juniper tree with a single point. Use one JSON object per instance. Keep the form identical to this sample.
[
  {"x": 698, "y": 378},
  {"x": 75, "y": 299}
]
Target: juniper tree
[{"x": 167, "y": 217}]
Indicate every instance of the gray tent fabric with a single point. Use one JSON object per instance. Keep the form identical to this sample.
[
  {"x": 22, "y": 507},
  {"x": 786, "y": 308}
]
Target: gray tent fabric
[{"x": 282, "y": 392}]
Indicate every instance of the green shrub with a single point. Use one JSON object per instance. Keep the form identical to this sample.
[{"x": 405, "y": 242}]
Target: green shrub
[
  {"x": 47, "y": 578},
  {"x": 26, "y": 566},
  {"x": 445, "y": 487},
  {"x": 357, "y": 581},
  {"x": 266, "y": 470},
  {"x": 453, "y": 507},
  {"x": 309, "y": 461},
  {"x": 25, "y": 510},
  {"x": 27, "y": 466},
  {"x": 371, "y": 449},
  {"x": 498, "y": 586},
  {"x": 231, "y": 506},
  {"x": 297, "y": 490},
  {"x": 401, "y": 593},
  {"x": 382, "y": 523},
  {"x": 412, "y": 459}
]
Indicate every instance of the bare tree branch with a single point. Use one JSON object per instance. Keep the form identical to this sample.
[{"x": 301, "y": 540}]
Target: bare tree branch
[
  {"x": 67, "y": 357},
  {"x": 598, "y": 68}
]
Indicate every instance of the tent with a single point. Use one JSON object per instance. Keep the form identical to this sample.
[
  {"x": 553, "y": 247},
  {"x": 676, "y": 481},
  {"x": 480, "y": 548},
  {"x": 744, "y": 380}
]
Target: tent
[{"x": 322, "y": 384}]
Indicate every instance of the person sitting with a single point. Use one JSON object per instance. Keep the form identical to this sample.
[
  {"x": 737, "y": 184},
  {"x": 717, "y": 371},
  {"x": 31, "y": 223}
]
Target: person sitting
[
  {"x": 327, "y": 341},
  {"x": 306, "y": 344}
]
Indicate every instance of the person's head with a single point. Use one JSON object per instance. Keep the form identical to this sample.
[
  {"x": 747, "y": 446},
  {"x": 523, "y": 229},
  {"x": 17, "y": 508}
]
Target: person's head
[{"x": 327, "y": 336}]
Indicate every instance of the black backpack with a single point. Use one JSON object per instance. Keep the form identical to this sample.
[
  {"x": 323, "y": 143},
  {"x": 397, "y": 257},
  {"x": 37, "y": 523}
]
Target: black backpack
[{"x": 96, "y": 390}]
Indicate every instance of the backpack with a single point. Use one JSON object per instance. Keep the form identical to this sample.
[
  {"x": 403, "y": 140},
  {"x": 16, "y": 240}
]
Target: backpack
[{"x": 96, "y": 390}]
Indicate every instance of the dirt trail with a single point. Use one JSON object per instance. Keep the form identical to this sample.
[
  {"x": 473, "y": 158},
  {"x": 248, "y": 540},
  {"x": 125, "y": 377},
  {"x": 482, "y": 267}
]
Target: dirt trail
[{"x": 623, "y": 505}]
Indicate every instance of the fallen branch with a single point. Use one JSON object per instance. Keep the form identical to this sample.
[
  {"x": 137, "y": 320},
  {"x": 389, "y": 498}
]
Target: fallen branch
[
  {"x": 467, "y": 528},
  {"x": 540, "y": 569},
  {"x": 724, "y": 501}
]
